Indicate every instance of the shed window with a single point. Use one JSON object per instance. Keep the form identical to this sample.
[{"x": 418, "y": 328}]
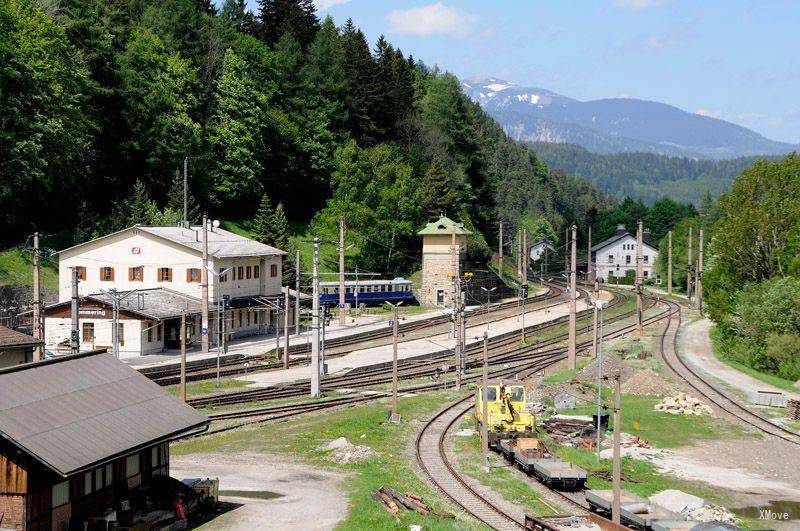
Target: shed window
[
  {"x": 154, "y": 461},
  {"x": 273, "y": 270},
  {"x": 109, "y": 475},
  {"x": 249, "y": 272},
  {"x": 256, "y": 271},
  {"x": 158, "y": 331},
  {"x": 87, "y": 483},
  {"x": 240, "y": 272},
  {"x": 107, "y": 273},
  {"x": 165, "y": 274},
  {"x": 149, "y": 332},
  {"x": 88, "y": 332},
  {"x": 132, "y": 465},
  {"x": 98, "y": 478},
  {"x": 255, "y": 318},
  {"x": 136, "y": 274},
  {"x": 60, "y": 495}
]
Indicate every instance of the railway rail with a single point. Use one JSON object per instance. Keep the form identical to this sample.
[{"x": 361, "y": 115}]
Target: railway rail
[{"x": 338, "y": 346}]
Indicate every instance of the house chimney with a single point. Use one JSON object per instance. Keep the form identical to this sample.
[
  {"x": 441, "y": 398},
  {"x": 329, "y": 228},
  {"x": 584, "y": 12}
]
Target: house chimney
[
  {"x": 621, "y": 229},
  {"x": 646, "y": 236}
]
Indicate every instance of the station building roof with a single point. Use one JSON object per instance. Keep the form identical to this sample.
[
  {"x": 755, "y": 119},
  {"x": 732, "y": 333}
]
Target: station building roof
[
  {"x": 444, "y": 225},
  {"x": 74, "y": 413}
]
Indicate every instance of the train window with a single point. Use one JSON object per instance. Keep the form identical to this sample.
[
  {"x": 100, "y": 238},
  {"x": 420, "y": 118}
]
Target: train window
[
  {"x": 389, "y": 287},
  {"x": 517, "y": 394},
  {"x": 492, "y": 394}
]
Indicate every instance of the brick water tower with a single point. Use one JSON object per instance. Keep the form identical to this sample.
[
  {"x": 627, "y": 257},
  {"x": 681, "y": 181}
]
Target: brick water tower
[{"x": 437, "y": 259}]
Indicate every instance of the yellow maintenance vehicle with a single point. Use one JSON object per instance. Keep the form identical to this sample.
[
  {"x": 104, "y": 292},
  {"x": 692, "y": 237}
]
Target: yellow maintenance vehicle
[{"x": 508, "y": 417}]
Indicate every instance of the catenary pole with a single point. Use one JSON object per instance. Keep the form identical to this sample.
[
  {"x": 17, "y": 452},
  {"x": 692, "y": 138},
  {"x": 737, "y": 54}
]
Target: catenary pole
[
  {"x": 589, "y": 271},
  {"x": 639, "y": 286},
  {"x": 297, "y": 292},
  {"x": 500, "y": 251},
  {"x": 594, "y": 324},
  {"x": 698, "y": 289},
  {"x": 689, "y": 267},
  {"x": 37, "y": 299},
  {"x": 571, "y": 361},
  {"x": 669, "y": 263},
  {"x": 315, "y": 392},
  {"x": 485, "y": 405},
  {"x": 286, "y": 328},
  {"x": 616, "y": 479},
  {"x": 525, "y": 256},
  {"x": 183, "y": 356},
  {"x": 204, "y": 279},
  {"x": 74, "y": 341},
  {"x": 395, "y": 416},
  {"x": 185, "y": 191},
  {"x": 342, "y": 316}
]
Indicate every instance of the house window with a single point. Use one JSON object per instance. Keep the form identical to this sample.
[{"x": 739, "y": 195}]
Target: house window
[
  {"x": 81, "y": 272},
  {"x": 273, "y": 270},
  {"x": 645, "y": 257},
  {"x": 241, "y": 272},
  {"x": 132, "y": 465},
  {"x": 158, "y": 331},
  {"x": 240, "y": 318},
  {"x": 256, "y": 271},
  {"x": 107, "y": 273},
  {"x": 87, "y": 483},
  {"x": 136, "y": 274},
  {"x": 611, "y": 259},
  {"x": 192, "y": 275},
  {"x": 249, "y": 272},
  {"x": 165, "y": 274},
  {"x": 255, "y": 318},
  {"x": 627, "y": 259},
  {"x": 88, "y": 332},
  {"x": 60, "y": 494},
  {"x": 248, "y": 317},
  {"x": 149, "y": 332},
  {"x": 121, "y": 334},
  {"x": 644, "y": 273},
  {"x": 223, "y": 277},
  {"x": 109, "y": 474}
]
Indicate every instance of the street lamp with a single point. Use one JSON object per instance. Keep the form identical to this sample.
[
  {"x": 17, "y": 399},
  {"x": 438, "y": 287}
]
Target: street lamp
[
  {"x": 488, "y": 299},
  {"x": 600, "y": 304},
  {"x": 220, "y": 327},
  {"x": 394, "y": 417}
]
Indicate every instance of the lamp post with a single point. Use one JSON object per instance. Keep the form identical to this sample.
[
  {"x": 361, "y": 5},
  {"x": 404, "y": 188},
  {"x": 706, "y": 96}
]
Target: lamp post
[
  {"x": 488, "y": 298},
  {"x": 218, "y": 274},
  {"x": 599, "y": 304}
]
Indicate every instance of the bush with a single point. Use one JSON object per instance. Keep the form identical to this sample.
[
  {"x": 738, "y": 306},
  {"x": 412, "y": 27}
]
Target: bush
[{"x": 783, "y": 353}]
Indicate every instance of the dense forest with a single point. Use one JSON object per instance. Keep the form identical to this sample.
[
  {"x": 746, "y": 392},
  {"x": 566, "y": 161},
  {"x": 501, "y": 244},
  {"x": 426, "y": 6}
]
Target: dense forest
[
  {"x": 104, "y": 101},
  {"x": 646, "y": 176}
]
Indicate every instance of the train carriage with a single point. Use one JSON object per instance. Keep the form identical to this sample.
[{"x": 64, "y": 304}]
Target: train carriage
[{"x": 369, "y": 292}]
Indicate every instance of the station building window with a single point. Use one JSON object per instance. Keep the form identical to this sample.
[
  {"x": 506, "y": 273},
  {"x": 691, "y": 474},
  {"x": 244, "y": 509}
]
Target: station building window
[
  {"x": 136, "y": 274},
  {"x": 165, "y": 274},
  {"x": 88, "y": 332},
  {"x": 107, "y": 274},
  {"x": 193, "y": 274}
]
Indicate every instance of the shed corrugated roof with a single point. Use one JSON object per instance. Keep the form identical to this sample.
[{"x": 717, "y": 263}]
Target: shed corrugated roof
[
  {"x": 444, "y": 225},
  {"x": 12, "y": 338},
  {"x": 76, "y": 412}
]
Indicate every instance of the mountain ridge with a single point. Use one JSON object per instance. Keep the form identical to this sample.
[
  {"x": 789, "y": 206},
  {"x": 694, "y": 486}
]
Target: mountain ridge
[{"x": 612, "y": 125}]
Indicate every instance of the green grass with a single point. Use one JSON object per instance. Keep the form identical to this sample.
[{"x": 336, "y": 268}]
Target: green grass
[
  {"x": 564, "y": 374},
  {"x": 501, "y": 480},
  {"x": 663, "y": 429},
  {"x": 776, "y": 381},
  {"x": 301, "y": 437},
  {"x": 16, "y": 267},
  {"x": 208, "y": 387}
]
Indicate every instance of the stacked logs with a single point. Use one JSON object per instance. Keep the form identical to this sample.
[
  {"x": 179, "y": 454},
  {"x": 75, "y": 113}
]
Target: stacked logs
[
  {"x": 393, "y": 501},
  {"x": 793, "y": 410}
]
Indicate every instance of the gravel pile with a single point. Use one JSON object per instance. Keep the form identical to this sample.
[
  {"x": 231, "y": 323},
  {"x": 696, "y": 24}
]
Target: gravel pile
[
  {"x": 683, "y": 404},
  {"x": 712, "y": 513},
  {"x": 647, "y": 383},
  {"x": 612, "y": 366},
  {"x": 343, "y": 451}
]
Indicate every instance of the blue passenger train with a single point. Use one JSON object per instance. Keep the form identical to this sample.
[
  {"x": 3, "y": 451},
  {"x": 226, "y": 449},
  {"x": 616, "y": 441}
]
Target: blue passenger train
[{"x": 369, "y": 292}]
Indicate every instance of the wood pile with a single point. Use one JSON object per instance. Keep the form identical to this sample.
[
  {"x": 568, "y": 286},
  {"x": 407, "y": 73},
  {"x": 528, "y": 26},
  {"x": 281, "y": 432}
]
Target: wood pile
[
  {"x": 793, "y": 410},
  {"x": 568, "y": 430},
  {"x": 394, "y": 501}
]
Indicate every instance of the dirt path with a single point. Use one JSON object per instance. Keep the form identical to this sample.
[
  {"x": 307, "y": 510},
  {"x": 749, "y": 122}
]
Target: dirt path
[
  {"x": 267, "y": 492},
  {"x": 696, "y": 348}
]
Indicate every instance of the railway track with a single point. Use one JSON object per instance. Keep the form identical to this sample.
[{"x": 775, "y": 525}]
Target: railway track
[
  {"x": 722, "y": 399},
  {"x": 339, "y": 346},
  {"x": 504, "y": 348}
]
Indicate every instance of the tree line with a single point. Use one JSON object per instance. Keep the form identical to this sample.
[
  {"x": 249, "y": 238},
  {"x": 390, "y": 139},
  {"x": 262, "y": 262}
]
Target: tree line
[{"x": 103, "y": 102}]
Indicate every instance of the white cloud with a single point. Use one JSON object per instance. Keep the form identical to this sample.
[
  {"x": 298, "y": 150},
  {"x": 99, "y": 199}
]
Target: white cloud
[
  {"x": 635, "y": 4},
  {"x": 711, "y": 113},
  {"x": 324, "y": 5},
  {"x": 431, "y": 20}
]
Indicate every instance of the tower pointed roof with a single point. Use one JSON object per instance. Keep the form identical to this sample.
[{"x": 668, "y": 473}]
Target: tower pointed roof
[{"x": 444, "y": 225}]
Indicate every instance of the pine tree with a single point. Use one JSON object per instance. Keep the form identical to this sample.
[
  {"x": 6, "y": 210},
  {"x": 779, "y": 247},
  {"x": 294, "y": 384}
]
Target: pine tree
[
  {"x": 262, "y": 223},
  {"x": 362, "y": 98},
  {"x": 324, "y": 69},
  {"x": 276, "y": 17},
  {"x": 279, "y": 228}
]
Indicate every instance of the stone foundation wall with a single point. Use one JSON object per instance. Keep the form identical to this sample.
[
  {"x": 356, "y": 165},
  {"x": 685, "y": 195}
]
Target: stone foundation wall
[{"x": 12, "y": 509}]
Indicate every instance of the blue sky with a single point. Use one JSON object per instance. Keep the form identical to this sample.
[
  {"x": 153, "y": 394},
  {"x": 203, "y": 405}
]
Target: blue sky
[{"x": 735, "y": 60}]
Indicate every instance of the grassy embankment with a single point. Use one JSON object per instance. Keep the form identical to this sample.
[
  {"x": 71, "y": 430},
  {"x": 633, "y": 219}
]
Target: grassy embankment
[
  {"x": 776, "y": 381},
  {"x": 301, "y": 437}
]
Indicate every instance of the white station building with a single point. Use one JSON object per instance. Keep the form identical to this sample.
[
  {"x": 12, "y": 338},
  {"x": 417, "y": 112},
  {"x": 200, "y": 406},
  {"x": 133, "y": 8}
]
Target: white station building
[
  {"x": 617, "y": 255},
  {"x": 156, "y": 272}
]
